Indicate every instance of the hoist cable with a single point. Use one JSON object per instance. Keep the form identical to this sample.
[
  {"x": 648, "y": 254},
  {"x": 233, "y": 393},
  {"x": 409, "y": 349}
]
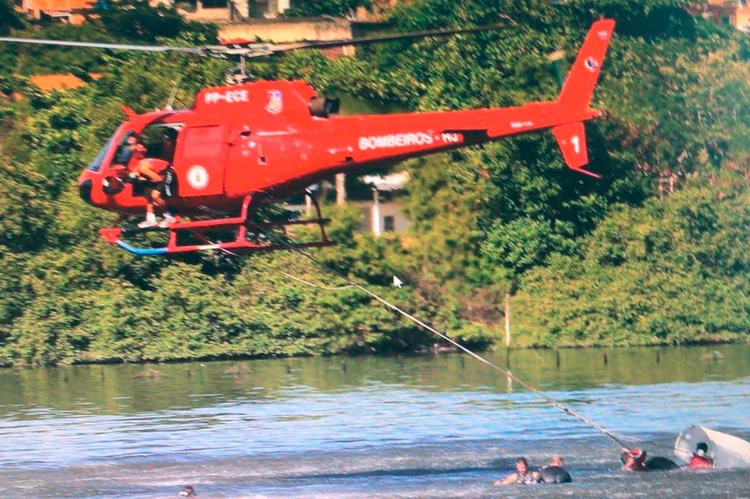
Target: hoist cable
[{"x": 570, "y": 412}]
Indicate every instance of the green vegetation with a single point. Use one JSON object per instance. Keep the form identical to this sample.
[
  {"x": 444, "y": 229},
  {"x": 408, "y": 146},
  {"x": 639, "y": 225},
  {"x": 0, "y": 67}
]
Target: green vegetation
[
  {"x": 8, "y": 17},
  {"x": 340, "y": 8},
  {"x": 588, "y": 262}
]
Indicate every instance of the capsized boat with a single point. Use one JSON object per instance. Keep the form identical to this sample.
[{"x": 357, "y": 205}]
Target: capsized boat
[{"x": 726, "y": 451}]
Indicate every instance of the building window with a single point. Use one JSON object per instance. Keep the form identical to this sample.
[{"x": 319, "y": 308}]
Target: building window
[
  {"x": 389, "y": 223},
  {"x": 259, "y": 8}
]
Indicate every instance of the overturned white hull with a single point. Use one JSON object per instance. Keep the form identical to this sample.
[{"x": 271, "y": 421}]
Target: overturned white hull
[{"x": 726, "y": 451}]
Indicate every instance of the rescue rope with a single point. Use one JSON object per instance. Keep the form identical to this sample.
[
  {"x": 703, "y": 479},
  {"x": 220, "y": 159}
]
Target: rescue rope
[
  {"x": 352, "y": 284},
  {"x": 327, "y": 288},
  {"x": 481, "y": 359},
  {"x": 268, "y": 267}
]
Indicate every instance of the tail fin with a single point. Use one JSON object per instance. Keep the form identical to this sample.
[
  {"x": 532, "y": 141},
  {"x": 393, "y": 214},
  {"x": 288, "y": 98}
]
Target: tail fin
[
  {"x": 577, "y": 91},
  {"x": 571, "y": 138},
  {"x": 579, "y": 86}
]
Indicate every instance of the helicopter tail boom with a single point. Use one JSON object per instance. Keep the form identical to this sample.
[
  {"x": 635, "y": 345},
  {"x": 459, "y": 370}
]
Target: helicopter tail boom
[{"x": 399, "y": 136}]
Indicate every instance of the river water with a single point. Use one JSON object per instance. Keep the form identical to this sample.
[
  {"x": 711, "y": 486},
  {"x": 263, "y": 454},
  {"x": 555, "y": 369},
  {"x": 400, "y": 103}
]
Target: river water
[{"x": 415, "y": 426}]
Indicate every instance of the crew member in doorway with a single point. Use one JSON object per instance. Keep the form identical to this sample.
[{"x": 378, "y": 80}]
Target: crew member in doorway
[
  {"x": 522, "y": 475},
  {"x": 700, "y": 459},
  {"x": 150, "y": 172}
]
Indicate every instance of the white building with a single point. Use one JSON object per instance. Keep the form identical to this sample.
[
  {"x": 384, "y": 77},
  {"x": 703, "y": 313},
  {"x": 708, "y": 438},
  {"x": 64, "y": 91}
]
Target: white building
[
  {"x": 383, "y": 213},
  {"x": 381, "y": 209}
]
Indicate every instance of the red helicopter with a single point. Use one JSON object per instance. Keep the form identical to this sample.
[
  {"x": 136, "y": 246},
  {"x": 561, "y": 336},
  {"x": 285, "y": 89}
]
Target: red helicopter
[{"x": 252, "y": 143}]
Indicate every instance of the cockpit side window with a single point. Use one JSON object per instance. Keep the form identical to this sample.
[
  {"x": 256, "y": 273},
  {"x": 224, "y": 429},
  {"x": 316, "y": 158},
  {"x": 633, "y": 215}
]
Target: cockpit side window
[
  {"x": 96, "y": 164},
  {"x": 123, "y": 154}
]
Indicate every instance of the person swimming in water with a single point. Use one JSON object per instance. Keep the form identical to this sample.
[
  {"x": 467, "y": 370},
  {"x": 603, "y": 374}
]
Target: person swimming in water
[
  {"x": 188, "y": 491},
  {"x": 522, "y": 475},
  {"x": 700, "y": 459},
  {"x": 554, "y": 472},
  {"x": 633, "y": 460},
  {"x": 637, "y": 460}
]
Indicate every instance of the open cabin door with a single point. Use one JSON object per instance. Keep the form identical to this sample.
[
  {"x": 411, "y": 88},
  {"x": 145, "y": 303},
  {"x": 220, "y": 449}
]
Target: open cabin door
[{"x": 200, "y": 169}]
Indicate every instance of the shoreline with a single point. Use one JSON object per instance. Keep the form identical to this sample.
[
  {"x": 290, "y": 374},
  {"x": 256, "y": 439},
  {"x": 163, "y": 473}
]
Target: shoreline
[{"x": 439, "y": 350}]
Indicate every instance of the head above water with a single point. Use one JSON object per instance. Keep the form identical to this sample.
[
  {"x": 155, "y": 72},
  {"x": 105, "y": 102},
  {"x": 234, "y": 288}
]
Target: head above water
[
  {"x": 701, "y": 449},
  {"x": 188, "y": 491},
  {"x": 632, "y": 455},
  {"x": 522, "y": 465},
  {"x": 556, "y": 461}
]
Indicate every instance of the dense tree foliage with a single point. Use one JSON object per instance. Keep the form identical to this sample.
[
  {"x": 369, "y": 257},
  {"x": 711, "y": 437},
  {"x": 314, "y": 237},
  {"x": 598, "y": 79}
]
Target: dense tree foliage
[
  {"x": 672, "y": 272},
  {"x": 128, "y": 21},
  {"x": 9, "y": 19},
  {"x": 339, "y": 8},
  {"x": 588, "y": 262}
]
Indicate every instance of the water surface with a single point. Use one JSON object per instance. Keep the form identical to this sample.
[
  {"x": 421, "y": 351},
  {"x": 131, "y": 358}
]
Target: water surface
[{"x": 420, "y": 426}]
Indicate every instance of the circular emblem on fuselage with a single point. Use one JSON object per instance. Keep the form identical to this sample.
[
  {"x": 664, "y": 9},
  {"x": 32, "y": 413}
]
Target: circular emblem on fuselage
[
  {"x": 197, "y": 177},
  {"x": 591, "y": 64}
]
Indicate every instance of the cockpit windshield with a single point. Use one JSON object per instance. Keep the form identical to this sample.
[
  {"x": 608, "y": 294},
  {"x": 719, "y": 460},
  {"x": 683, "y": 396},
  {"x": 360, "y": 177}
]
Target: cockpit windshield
[{"x": 96, "y": 165}]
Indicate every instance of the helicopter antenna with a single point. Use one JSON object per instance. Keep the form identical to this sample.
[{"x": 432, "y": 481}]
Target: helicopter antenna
[{"x": 173, "y": 93}]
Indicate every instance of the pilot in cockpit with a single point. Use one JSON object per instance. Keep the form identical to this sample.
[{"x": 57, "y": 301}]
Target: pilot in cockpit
[{"x": 168, "y": 144}]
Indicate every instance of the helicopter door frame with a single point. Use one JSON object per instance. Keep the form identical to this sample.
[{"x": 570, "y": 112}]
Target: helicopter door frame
[{"x": 200, "y": 161}]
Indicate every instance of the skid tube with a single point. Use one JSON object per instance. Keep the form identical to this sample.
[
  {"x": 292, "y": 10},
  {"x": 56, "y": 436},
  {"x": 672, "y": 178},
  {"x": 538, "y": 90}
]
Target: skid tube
[{"x": 198, "y": 228}]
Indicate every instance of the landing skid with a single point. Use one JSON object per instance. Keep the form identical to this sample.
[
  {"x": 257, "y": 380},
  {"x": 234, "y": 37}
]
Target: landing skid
[{"x": 251, "y": 236}]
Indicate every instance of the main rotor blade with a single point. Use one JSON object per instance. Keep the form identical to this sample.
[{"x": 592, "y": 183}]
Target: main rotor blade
[
  {"x": 112, "y": 46},
  {"x": 252, "y": 49},
  {"x": 378, "y": 39}
]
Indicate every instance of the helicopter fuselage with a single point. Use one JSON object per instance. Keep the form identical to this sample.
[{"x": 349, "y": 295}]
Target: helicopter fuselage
[
  {"x": 261, "y": 138},
  {"x": 271, "y": 139}
]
